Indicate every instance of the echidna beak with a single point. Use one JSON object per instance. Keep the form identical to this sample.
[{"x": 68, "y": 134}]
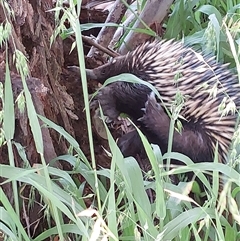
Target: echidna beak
[
  {"x": 74, "y": 69},
  {"x": 90, "y": 74}
]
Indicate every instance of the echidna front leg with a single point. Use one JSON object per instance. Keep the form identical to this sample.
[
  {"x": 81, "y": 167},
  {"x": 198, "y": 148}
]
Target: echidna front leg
[
  {"x": 107, "y": 101},
  {"x": 122, "y": 97}
]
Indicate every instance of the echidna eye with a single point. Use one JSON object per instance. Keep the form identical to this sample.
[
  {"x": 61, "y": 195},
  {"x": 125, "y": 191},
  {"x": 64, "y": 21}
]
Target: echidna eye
[{"x": 103, "y": 72}]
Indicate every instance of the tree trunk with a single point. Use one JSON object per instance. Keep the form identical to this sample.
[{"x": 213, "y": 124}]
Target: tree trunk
[{"x": 32, "y": 29}]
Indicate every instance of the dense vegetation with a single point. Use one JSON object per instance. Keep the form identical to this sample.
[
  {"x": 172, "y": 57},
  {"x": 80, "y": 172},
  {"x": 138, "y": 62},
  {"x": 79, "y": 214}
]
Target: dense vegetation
[{"x": 116, "y": 205}]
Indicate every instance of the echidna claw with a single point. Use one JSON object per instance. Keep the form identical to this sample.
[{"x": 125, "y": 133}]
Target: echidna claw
[
  {"x": 152, "y": 96},
  {"x": 93, "y": 104},
  {"x": 153, "y": 101}
]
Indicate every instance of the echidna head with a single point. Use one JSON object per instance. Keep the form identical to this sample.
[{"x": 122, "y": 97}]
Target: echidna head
[{"x": 112, "y": 68}]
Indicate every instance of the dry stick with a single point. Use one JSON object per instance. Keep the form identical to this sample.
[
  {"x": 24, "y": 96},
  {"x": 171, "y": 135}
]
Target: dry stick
[
  {"x": 153, "y": 12},
  {"x": 95, "y": 3},
  {"x": 120, "y": 31},
  {"x": 92, "y": 42},
  {"x": 106, "y": 34}
]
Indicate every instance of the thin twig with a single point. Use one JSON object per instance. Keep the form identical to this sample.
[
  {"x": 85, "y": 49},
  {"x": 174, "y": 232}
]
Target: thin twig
[
  {"x": 106, "y": 33},
  {"x": 90, "y": 41}
]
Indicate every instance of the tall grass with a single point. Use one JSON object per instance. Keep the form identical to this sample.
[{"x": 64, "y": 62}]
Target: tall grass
[{"x": 122, "y": 210}]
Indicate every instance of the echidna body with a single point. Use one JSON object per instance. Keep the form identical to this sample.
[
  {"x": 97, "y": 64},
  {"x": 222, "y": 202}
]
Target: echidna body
[{"x": 173, "y": 68}]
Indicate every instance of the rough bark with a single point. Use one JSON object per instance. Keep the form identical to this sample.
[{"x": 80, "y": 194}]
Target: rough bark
[{"x": 32, "y": 29}]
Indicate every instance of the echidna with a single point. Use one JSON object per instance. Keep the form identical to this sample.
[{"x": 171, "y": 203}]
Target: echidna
[{"x": 173, "y": 68}]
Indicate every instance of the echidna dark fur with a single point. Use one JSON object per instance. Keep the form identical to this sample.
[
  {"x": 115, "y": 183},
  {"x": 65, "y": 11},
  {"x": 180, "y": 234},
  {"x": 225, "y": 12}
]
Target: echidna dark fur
[{"x": 172, "y": 68}]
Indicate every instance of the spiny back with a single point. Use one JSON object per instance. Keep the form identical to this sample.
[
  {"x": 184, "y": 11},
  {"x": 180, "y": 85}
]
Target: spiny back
[{"x": 204, "y": 84}]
